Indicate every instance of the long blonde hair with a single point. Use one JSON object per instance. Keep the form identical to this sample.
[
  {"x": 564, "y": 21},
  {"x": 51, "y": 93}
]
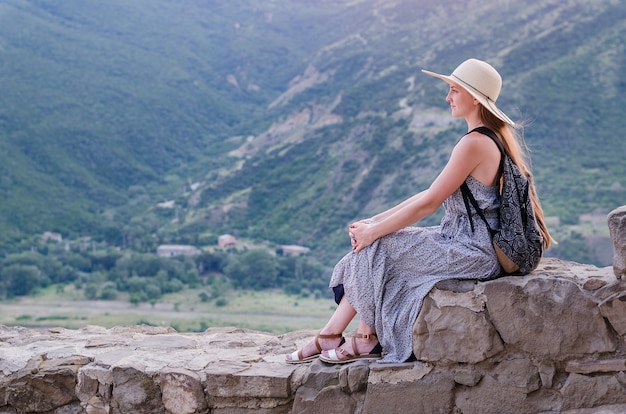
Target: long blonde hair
[{"x": 512, "y": 142}]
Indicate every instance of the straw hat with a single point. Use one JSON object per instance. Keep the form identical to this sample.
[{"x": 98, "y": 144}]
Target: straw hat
[{"x": 481, "y": 80}]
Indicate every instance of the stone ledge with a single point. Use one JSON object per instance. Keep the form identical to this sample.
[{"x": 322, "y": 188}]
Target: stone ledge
[{"x": 549, "y": 342}]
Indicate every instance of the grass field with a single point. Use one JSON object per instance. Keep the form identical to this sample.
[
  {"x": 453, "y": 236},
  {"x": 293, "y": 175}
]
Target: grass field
[{"x": 270, "y": 311}]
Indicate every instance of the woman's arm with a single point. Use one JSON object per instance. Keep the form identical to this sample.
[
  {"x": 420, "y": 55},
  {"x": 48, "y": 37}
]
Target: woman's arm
[
  {"x": 466, "y": 156},
  {"x": 385, "y": 214}
]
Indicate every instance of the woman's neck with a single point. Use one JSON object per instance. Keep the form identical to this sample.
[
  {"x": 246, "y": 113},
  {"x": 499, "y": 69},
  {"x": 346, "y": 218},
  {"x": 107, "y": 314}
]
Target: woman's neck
[
  {"x": 473, "y": 120},
  {"x": 474, "y": 125}
]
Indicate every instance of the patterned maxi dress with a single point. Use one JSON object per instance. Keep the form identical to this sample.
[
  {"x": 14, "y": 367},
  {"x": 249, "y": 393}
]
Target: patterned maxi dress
[{"x": 386, "y": 282}]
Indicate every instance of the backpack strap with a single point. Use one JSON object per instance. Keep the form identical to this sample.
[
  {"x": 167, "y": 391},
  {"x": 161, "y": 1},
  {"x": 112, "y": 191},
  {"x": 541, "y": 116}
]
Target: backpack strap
[
  {"x": 486, "y": 131},
  {"x": 468, "y": 197}
]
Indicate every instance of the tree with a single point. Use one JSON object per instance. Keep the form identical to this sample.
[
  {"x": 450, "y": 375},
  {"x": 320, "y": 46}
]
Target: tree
[
  {"x": 255, "y": 269},
  {"x": 141, "y": 264},
  {"x": 91, "y": 291},
  {"x": 20, "y": 279},
  {"x": 211, "y": 262},
  {"x": 109, "y": 291}
]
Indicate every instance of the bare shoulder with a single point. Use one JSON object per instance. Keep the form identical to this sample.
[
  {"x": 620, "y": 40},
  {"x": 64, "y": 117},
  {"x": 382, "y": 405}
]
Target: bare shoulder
[
  {"x": 483, "y": 153},
  {"x": 475, "y": 141},
  {"x": 476, "y": 137}
]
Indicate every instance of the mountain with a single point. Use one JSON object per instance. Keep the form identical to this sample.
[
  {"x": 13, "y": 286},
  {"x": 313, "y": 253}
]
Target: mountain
[
  {"x": 102, "y": 96},
  {"x": 159, "y": 120}
]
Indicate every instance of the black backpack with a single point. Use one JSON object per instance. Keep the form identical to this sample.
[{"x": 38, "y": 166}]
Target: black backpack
[{"x": 518, "y": 242}]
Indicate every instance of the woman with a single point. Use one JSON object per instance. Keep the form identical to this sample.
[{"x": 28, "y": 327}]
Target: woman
[{"x": 393, "y": 266}]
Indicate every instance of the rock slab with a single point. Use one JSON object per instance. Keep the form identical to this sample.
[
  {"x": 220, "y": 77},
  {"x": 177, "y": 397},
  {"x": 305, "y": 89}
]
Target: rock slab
[
  {"x": 549, "y": 342},
  {"x": 617, "y": 230}
]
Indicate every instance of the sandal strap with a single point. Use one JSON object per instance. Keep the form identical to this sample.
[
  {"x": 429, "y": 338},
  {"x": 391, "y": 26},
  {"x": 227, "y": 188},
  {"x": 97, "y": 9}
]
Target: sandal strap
[
  {"x": 354, "y": 348},
  {"x": 367, "y": 337},
  {"x": 329, "y": 336},
  {"x": 345, "y": 353},
  {"x": 332, "y": 354},
  {"x": 325, "y": 336}
]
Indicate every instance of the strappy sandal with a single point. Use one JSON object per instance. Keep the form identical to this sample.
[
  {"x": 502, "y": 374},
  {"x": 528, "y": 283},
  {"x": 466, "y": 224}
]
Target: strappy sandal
[
  {"x": 297, "y": 357},
  {"x": 333, "y": 357}
]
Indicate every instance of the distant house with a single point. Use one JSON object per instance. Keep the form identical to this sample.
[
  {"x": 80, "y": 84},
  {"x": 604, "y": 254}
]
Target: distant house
[
  {"x": 48, "y": 235},
  {"x": 171, "y": 250},
  {"x": 293, "y": 250},
  {"x": 167, "y": 204},
  {"x": 226, "y": 240}
]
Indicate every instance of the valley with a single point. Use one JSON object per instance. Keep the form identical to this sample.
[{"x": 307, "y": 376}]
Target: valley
[{"x": 269, "y": 311}]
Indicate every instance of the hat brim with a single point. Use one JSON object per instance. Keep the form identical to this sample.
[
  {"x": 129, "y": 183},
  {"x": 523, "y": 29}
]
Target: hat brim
[{"x": 487, "y": 103}]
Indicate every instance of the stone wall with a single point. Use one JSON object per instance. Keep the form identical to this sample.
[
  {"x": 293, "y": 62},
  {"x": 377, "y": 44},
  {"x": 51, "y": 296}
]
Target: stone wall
[{"x": 550, "y": 342}]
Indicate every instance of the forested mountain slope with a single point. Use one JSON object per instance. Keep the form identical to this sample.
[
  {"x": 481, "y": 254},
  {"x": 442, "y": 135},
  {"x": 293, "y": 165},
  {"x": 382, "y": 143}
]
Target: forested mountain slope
[{"x": 284, "y": 120}]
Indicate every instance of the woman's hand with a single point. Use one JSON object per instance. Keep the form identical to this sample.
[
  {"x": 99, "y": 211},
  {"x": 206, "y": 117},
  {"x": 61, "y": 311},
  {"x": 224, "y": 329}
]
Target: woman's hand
[{"x": 362, "y": 234}]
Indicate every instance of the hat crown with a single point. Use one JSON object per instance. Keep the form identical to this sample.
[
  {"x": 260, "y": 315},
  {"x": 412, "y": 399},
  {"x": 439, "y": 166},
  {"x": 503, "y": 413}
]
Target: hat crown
[{"x": 480, "y": 76}]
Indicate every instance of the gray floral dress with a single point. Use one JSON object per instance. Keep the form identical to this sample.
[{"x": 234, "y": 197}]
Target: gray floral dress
[{"x": 386, "y": 282}]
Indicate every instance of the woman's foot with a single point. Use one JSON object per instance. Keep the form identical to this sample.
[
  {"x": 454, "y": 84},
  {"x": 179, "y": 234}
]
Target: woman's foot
[
  {"x": 350, "y": 351},
  {"x": 313, "y": 349}
]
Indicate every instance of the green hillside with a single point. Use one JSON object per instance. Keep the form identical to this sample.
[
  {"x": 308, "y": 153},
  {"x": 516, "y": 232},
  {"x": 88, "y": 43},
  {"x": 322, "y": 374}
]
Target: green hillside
[
  {"x": 102, "y": 96},
  {"x": 284, "y": 120}
]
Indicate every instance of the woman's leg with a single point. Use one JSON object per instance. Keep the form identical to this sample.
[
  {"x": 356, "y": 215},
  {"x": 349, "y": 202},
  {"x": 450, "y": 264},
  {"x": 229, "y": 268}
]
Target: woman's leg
[
  {"x": 337, "y": 323},
  {"x": 340, "y": 319},
  {"x": 364, "y": 344}
]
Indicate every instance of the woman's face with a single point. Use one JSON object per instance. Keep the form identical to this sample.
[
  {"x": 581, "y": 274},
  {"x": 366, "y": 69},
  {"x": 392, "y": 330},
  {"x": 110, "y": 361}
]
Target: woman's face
[{"x": 462, "y": 104}]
